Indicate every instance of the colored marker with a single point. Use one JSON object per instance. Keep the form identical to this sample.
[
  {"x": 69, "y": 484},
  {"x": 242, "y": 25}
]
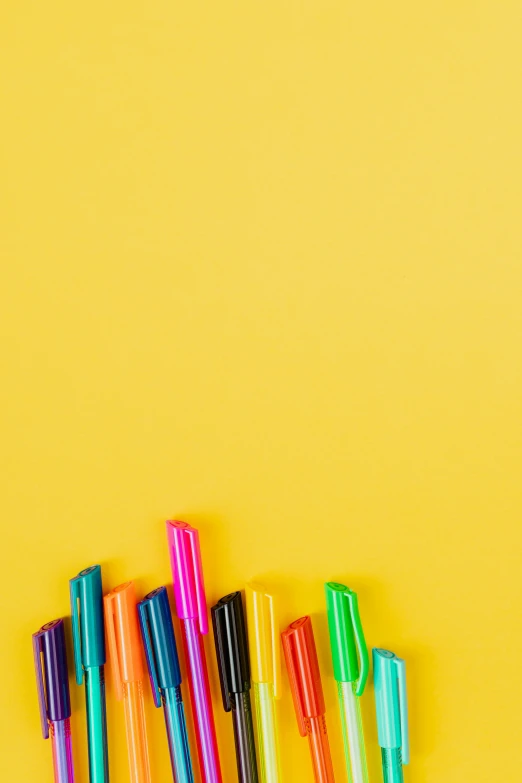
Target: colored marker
[
  {"x": 234, "y": 674},
  {"x": 191, "y": 608},
  {"x": 53, "y": 697},
  {"x": 389, "y": 675},
  {"x": 350, "y": 673},
  {"x": 157, "y": 633},
  {"x": 307, "y": 692},
  {"x": 265, "y": 664},
  {"x": 89, "y": 661},
  {"x": 123, "y": 639}
]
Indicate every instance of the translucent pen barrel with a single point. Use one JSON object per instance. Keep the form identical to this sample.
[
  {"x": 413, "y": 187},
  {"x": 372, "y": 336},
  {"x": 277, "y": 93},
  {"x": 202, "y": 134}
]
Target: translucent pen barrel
[
  {"x": 96, "y": 724},
  {"x": 60, "y": 733},
  {"x": 392, "y": 765},
  {"x": 244, "y": 737},
  {"x": 352, "y": 733},
  {"x": 201, "y": 702},
  {"x": 270, "y": 771},
  {"x": 136, "y": 732},
  {"x": 177, "y": 735},
  {"x": 320, "y": 749}
]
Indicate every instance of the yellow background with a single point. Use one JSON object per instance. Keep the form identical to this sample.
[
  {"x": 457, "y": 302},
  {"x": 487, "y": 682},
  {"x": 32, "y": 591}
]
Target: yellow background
[{"x": 261, "y": 270}]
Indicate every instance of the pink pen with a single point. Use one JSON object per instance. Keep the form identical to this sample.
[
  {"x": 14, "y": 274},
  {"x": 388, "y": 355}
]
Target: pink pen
[{"x": 191, "y": 608}]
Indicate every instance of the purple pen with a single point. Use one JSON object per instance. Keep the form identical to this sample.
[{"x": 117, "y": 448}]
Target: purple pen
[
  {"x": 54, "y": 701},
  {"x": 191, "y": 608}
]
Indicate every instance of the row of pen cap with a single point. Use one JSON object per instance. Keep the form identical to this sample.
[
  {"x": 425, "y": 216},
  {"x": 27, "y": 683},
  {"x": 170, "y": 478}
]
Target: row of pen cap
[{"x": 248, "y": 651}]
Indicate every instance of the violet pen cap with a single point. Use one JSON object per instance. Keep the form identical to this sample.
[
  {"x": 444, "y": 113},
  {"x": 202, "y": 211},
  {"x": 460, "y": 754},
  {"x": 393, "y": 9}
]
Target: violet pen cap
[{"x": 50, "y": 661}]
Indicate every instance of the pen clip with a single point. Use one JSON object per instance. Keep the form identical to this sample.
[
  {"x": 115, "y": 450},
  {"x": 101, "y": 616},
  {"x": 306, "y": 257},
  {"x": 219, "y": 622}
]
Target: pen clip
[
  {"x": 113, "y": 644},
  {"x": 199, "y": 586},
  {"x": 37, "y": 651},
  {"x": 76, "y": 630},
  {"x": 403, "y": 709},
  {"x": 276, "y": 652},
  {"x": 288, "y": 647},
  {"x": 362, "y": 649},
  {"x": 143, "y": 615},
  {"x": 223, "y": 663}
]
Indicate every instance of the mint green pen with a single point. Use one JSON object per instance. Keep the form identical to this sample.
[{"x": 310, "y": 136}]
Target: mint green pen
[
  {"x": 89, "y": 661},
  {"x": 389, "y": 674},
  {"x": 350, "y": 673}
]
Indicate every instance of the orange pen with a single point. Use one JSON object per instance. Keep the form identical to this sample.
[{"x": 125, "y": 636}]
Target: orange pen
[
  {"x": 307, "y": 692},
  {"x": 123, "y": 638}
]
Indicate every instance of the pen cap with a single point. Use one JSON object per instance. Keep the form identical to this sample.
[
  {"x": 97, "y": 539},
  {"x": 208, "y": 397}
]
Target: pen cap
[
  {"x": 123, "y": 636},
  {"x": 303, "y": 670},
  {"x": 87, "y": 620},
  {"x": 232, "y": 647},
  {"x": 389, "y": 674},
  {"x": 346, "y": 636},
  {"x": 187, "y": 573},
  {"x": 263, "y": 636},
  {"x": 52, "y": 677},
  {"x": 157, "y": 633}
]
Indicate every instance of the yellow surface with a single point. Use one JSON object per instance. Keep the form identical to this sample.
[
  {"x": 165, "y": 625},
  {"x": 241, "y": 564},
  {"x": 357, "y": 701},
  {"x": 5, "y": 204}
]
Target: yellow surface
[{"x": 262, "y": 271}]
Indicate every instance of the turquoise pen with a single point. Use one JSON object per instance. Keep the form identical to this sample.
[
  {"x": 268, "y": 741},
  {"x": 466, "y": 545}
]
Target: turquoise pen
[
  {"x": 389, "y": 675},
  {"x": 165, "y": 677},
  {"x": 89, "y": 662}
]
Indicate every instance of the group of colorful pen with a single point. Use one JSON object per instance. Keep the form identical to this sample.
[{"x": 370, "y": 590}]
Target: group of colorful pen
[{"x": 248, "y": 652}]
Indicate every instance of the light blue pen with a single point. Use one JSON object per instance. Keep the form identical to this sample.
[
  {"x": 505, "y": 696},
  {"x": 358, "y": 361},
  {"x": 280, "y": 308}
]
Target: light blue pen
[
  {"x": 389, "y": 676},
  {"x": 165, "y": 677}
]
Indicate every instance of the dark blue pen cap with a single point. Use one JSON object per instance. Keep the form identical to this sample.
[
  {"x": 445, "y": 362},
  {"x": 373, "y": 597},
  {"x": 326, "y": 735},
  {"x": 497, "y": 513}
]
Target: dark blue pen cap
[
  {"x": 50, "y": 661},
  {"x": 160, "y": 644}
]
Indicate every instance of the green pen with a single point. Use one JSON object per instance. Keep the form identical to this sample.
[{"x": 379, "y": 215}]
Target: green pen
[
  {"x": 389, "y": 674},
  {"x": 89, "y": 661},
  {"x": 350, "y": 673}
]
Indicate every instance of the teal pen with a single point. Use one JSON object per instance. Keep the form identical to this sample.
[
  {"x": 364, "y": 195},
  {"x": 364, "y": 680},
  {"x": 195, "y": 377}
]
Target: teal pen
[
  {"x": 389, "y": 675},
  {"x": 165, "y": 677},
  {"x": 89, "y": 662}
]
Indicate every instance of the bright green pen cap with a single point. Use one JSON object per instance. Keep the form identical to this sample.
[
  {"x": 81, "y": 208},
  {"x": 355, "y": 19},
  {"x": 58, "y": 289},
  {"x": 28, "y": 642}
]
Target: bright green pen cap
[
  {"x": 349, "y": 652},
  {"x": 87, "y": 620}
]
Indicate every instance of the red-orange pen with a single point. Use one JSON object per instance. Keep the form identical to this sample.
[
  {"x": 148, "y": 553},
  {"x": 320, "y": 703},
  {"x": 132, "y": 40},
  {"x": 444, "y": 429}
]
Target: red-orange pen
[{"x": 307, "y": 692}]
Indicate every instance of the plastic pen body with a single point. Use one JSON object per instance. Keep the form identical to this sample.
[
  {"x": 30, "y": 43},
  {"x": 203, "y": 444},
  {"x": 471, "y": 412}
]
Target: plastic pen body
[
  {"x": 265, "y": 665},
  {"x": 89, "y": 660},
  {"x": 52, "y": 680},
  {"x": 234, "y": 674},
  {"x": 199, "y": 689},
  {"x": 392, "y": 713},
  {"x": 307, "y": 693},
  {"x": 351, "y": 667},
  {"x": 96, "y": 724},
  {"x": 351, "y": 721},
  {"x": 60, "y": 733},
  {"x": 177, "y": 735},
  {"x": 121, "y": 621},
  {"x": 191, "y": 608},
  {"x": 157, "y": 632},
  {"x": 265, "y": 711}
]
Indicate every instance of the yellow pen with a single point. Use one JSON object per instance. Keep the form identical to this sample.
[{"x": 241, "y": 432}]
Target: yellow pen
[{"x": 265, "y": 663}]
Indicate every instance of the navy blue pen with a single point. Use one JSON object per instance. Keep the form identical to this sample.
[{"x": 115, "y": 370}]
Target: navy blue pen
[{"x": 165, "y": 677}]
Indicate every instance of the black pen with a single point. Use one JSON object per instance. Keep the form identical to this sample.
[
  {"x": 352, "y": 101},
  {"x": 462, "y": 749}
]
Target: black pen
[{"x": 234, "y": 674}]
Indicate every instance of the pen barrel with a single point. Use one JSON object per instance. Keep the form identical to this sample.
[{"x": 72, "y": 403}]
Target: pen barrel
[
  {"x": 136, "y": 732},
  {"x": 244, "y": 737},
  {"x": 267, "y": 736},
  {"x": 392, "y": 765},
  {"x": 200, "y": 698},
  {"x": 61, "y": 742},
  {"x": 177, "y": 735},
  {"x": 320, "y": 749},
  {"x": 96, "y": 724},
  {"x": 353, "y": 736}
]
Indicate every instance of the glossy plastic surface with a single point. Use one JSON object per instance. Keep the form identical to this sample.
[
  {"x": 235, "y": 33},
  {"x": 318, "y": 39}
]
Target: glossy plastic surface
[
  {"x": 353, "y": 736},
  {"x": 61, "y": 741},
  {"x": 96, "y": 724},
  {"x": 177, "y": 736},
  {"x": 267, "y": 735},
  {"x": 136, "y": 732}
]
